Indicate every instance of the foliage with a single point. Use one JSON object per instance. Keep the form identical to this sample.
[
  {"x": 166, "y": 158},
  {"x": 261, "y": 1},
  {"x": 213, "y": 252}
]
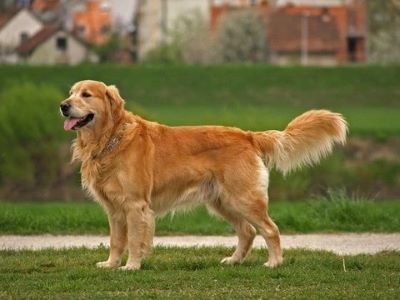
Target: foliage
[
  {"x": 30, "y": 135},
  {"x": 233, "y": 86},
  {"x": 197, "y": 44},
  {"x": 253, "y": 98},
  {"x": 336, "y": 212},
  {"x": 189, "y": 42},
  {"x": 384, "y": 31},
  {"x": 166, "y": 53},
  {"x": 242, "y": 38},
  {"x": 195, "y": 273},
  {"x": 106, "y": 50}
]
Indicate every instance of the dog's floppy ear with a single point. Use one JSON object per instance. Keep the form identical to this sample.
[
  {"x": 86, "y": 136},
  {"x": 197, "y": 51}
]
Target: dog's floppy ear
[{"x": 116, "y": 102}]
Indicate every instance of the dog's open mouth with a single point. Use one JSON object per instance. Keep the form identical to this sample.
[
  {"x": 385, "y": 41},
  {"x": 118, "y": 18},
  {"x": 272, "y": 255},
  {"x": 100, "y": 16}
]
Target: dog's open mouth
[{"x": 75, "y": 123}]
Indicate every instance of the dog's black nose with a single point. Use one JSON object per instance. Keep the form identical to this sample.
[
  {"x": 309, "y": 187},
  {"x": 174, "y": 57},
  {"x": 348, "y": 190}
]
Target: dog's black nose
[{"x": 65, "y": 108}]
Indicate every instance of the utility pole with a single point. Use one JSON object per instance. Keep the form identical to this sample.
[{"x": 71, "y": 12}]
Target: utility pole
[{"x": 304, "y": 38}]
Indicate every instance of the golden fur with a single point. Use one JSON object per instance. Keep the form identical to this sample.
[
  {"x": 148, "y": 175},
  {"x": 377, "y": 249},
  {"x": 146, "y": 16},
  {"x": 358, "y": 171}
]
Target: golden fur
[{"x": 138, "y": 169}]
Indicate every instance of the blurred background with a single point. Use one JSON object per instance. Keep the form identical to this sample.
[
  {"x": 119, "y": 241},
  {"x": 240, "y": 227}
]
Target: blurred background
[{"x": 251, "y": 64}]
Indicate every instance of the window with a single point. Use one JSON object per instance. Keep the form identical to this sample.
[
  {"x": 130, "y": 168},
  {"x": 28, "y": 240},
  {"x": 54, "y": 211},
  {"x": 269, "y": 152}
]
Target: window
[
  {"x": 105, "y": 29},
  {"x": 24, "y": 36},
  {"x": 61, "y": 43},
  {"x": 352, "y": 48}
]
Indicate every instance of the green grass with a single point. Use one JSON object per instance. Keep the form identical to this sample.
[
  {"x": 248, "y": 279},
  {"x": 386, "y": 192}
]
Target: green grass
[
  {"x": 311, "y": 216},
  {"x": 196, "y": 273},
  {"x": 250, "y": 97},
  {"x": 380, "y": 122},
  {"x": 261, "y": 84}
]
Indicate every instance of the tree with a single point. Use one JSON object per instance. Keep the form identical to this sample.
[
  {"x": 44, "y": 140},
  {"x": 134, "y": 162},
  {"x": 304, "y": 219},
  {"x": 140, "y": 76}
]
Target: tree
[
  {"x": 242, "y": 38},
  {"x": 384, "y": 31}
]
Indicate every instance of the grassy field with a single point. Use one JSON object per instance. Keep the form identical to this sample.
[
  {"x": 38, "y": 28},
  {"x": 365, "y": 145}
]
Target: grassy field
[
  {"x": 196, "y": 273},
  {"x": 250, "y": 97},
  {"x": 377, "y": 122},
  {"x": 312, "y": 216},
  {"x": 171, "y": 85},
  {"x": 256, "y": 97}
]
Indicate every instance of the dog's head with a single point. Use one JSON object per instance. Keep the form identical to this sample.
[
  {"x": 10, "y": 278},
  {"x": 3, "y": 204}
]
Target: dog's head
[{"x": 91, "y": 104}]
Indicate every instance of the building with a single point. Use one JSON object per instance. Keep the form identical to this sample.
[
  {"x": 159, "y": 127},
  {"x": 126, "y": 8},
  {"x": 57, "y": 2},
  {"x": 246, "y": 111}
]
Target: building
[
  {"x": 48, "y": 10},
  {"x": 16, "y": 26},
  {"x": 312, "y": 32},
  {"x": 323, "y": 34},
  {"x": 156, "y": 19},
  {"x": 45, "y": 5},
  {"x": 53, "y": 45},
  {"x": 218, "y": 12},
  {"x": 93, "y": 23}
]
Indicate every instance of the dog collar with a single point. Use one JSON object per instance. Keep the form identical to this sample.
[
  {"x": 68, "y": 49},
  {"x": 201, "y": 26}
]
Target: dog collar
[{"x": 113, "y": 142}]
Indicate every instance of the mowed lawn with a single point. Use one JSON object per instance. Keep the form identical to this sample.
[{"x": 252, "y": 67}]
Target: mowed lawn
[
  {"x": 372, "y": 122},
  {"x": 324, "y": 215},
  {"x": 197, "y": 273},
  {"x": 251, "y": 97}
]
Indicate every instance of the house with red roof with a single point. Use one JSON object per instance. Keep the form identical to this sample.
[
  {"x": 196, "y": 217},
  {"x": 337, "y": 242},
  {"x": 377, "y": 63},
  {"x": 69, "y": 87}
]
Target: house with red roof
[
  {"x": 93, "y": 23},
  {"x": 309, "y": 34},
  {"x": 25, "y": 37},
  {"x": 16, "y": 26},
  {"x": 53, "y": 45}
]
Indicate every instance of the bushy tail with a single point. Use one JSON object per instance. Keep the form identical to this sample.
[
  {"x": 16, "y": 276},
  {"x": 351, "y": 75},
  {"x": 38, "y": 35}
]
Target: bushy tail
[{"x": 305, "y": 140}]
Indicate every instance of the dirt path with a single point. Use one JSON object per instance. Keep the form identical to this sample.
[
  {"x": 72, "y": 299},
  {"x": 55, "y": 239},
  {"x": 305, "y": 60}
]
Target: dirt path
[{"x": 342, "y": 244}]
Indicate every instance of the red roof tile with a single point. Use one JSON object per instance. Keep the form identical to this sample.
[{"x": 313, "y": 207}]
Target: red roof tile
[
  {"x": 34, "y": 41},
  {"x": 7, "y": 16},
  {"x": 45, "y": 5},
  {"x": 285, "y": 33}
]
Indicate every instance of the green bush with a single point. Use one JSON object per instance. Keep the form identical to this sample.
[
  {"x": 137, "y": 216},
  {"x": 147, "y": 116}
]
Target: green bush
[
  {"x": 384, "y": 32},
  {"x": 166, "y": 53},
  {"x": 30, "y": 135},
  {"x": 241, "y": 38},
  {"x": 188, "y": 42}
]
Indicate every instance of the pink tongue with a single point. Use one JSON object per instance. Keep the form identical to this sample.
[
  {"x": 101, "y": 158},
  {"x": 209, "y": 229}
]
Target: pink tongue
[{"x": 70, "y": 123}]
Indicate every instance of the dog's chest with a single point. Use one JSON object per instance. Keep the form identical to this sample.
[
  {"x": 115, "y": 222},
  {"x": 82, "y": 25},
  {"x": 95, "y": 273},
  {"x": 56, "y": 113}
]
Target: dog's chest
[{"x": 100, "y": 180}]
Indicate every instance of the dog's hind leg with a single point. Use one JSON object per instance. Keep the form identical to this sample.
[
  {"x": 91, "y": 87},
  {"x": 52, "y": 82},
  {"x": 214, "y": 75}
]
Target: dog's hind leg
[{"x": 244, "y": 230}]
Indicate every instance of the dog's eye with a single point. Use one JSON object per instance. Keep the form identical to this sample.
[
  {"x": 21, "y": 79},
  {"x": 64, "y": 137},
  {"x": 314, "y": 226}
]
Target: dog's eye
[{"x": 86, "y": 95}]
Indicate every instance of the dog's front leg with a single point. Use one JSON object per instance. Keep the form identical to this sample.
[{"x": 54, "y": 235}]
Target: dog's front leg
[
  {"x": 140, "y": 229},
  {"x": 118, "y": 237}
]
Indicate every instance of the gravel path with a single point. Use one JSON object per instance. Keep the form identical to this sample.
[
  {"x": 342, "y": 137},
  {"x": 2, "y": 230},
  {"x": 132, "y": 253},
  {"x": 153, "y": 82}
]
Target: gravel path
[{"x": 342, "y": 244}]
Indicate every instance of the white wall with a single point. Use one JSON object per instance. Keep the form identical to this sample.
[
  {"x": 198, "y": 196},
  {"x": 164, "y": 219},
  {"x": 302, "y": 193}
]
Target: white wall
[
  {"x": 123, "y": 10},
  {"x": 314, "y": 59},
  {"x": 149, "y": 34},
  {"x": 47, "y": 53},
  {"x": 10, "y": 34}
]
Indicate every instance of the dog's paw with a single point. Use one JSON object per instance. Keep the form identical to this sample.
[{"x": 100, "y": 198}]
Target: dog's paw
[
  {"x": 130, "y": 267},
  {"x": 230, "y": 261},
  {"x": 107, "y": 265},
  {"x": 273, "y": 263}
]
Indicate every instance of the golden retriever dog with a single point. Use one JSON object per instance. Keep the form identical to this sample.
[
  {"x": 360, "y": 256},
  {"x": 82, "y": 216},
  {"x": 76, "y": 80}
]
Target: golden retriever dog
[{"x": 137, "y": 169}]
